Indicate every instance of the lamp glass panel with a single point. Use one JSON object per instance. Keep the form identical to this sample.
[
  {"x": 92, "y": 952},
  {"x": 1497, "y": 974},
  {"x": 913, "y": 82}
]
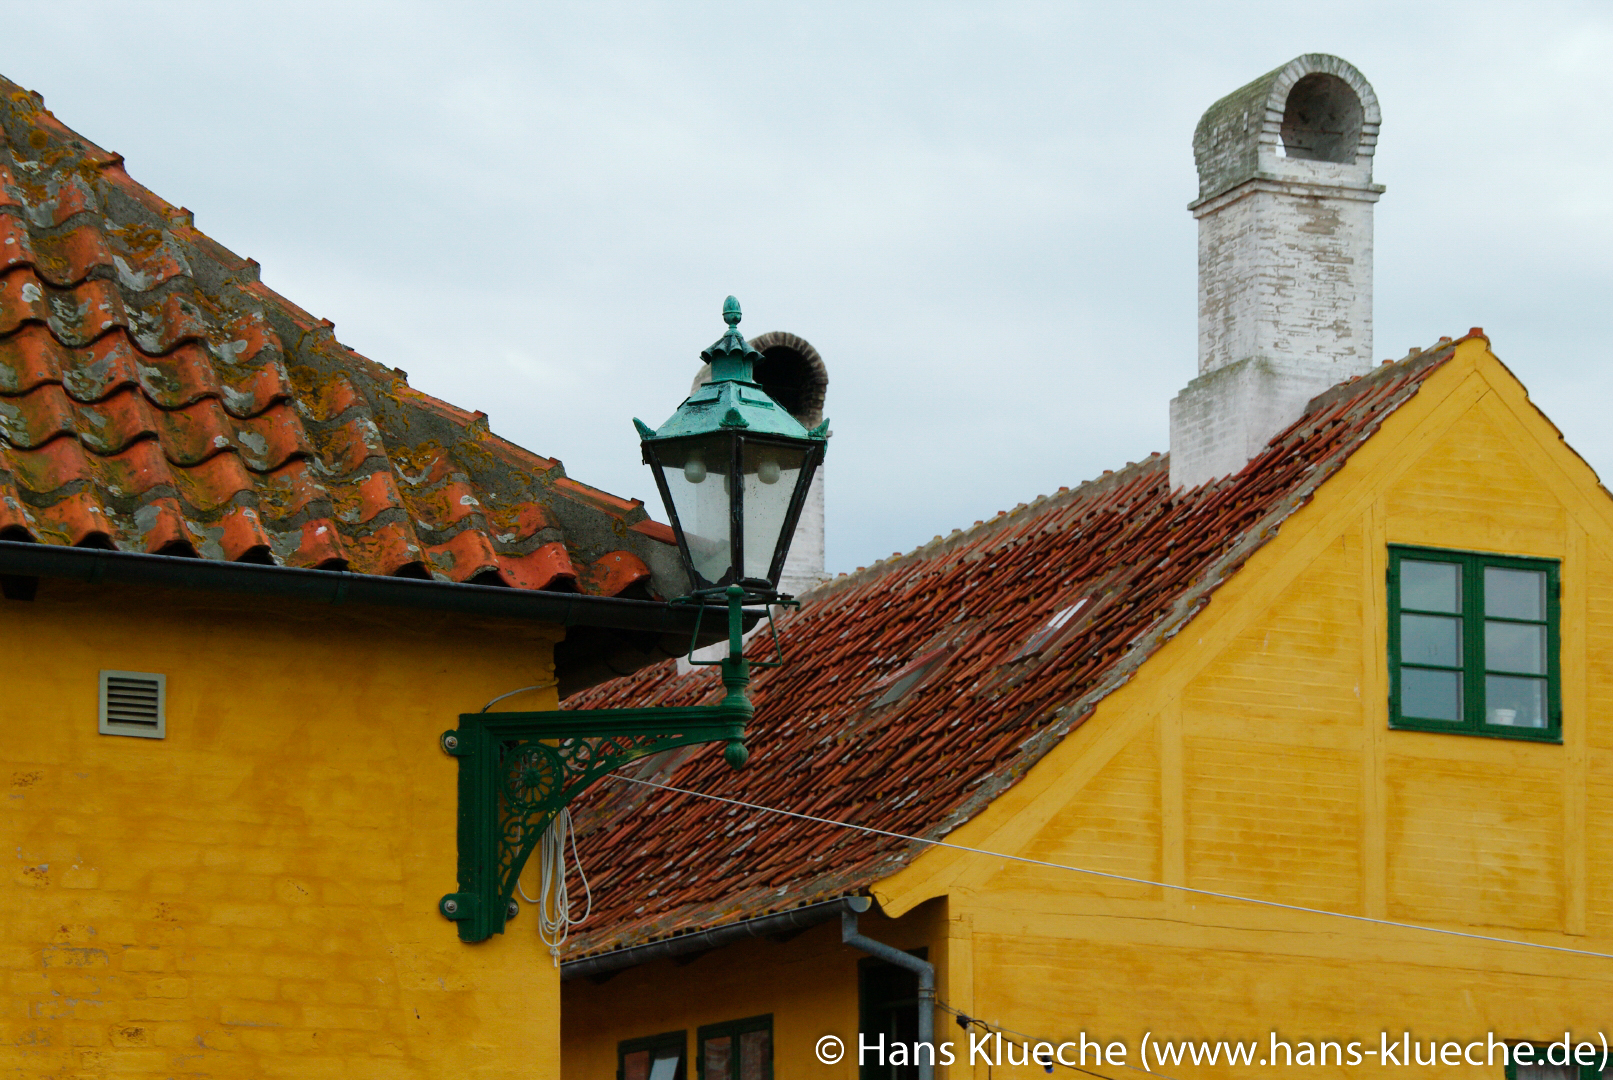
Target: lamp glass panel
[
  {"x": 771, "y": 473},
  {"x": 697, "y": 478}
]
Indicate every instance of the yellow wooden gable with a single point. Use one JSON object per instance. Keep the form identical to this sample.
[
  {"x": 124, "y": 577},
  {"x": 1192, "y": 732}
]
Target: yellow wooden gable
[{"x": 1253, "y": 756}]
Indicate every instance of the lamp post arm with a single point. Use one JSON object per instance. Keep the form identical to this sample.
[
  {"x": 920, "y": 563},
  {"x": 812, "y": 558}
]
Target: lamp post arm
[{"x": 518, "y": 770}]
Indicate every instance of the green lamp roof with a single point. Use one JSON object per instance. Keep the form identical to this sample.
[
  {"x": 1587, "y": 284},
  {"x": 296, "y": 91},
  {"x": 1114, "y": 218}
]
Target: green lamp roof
[{"x": 732, "y": 399}]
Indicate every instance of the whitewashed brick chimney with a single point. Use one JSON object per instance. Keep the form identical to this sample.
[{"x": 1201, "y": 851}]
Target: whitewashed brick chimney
[{"x": 1285, "y": 259}]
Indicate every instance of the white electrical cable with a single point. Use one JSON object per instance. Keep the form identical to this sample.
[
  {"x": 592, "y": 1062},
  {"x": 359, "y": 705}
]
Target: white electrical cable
[
  {"x": 553, "y": 901},
  {"x": 1121, "y": 877},
  {"x": 512, "y": 693},
  {"x": 554, "y": 905}
]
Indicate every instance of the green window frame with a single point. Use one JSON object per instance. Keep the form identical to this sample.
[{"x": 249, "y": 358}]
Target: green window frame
[
  {"x": 736, "y": 1049},
  {"x": 636, "y": 1058},
  {"x": 1475, "y": 643},
  {"x": 1585, "y": 1072}
]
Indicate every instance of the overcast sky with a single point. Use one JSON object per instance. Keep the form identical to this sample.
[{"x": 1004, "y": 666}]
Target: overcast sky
[{"x": 976, "y": 212}]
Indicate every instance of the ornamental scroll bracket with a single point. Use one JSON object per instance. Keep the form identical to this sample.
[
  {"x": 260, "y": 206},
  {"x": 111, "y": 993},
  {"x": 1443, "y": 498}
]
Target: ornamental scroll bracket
[{"x": 518, "y": 770}]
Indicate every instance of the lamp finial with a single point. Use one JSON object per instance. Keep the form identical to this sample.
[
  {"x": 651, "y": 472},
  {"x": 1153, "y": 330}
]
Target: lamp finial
[{"x": 730, "y": 311}]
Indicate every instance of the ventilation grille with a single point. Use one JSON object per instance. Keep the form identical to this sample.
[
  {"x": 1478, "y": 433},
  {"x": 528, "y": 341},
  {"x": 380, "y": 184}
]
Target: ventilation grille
[{"x": 133, "y": 703}]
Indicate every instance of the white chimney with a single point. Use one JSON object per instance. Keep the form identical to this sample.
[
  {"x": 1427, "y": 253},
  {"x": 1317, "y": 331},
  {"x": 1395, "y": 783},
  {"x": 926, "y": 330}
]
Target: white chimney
[
  {"x": 793, "y": 374},
  {"x": 1285, "y": 259}
]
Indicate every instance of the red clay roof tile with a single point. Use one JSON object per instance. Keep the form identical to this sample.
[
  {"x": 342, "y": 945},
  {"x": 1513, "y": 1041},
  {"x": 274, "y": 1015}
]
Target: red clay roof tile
[
  {"x": 826, "y": 742},
  {"x": 156, "y": 396}
]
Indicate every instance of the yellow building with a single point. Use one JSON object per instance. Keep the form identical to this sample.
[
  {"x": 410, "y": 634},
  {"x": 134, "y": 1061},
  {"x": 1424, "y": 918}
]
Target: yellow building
[
  {"x": 1303, "y": 760},
  {"x": 1247, "y": 728},
  {"x": 250, "y": 577}
]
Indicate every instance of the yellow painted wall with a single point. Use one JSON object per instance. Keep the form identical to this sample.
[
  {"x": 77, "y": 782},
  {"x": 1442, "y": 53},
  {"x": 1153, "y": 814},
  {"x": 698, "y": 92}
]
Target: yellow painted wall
[
  {"x": 1251, "y": 755},
  {"x": 800, "y": 982},
  {"x": 255, "y": 895}
]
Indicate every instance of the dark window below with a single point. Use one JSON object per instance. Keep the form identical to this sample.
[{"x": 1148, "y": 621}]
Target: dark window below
[
  {"x": 737, "y": 1050},
  {"x": 656, "y": 1057},
  {"x": 888, "y": 1005},
  {"x": 1541, "y": 1067}
]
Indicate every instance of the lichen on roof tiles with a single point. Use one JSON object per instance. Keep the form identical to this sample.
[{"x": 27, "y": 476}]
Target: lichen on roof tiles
[
  {"x": 155, "y": 396},
  {"x": 831, "y": 739}
]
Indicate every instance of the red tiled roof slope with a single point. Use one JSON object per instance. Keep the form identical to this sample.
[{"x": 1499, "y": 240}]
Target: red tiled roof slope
[
  {"x": 156, "y": 397},
  {"x": 843, "y": 732}
]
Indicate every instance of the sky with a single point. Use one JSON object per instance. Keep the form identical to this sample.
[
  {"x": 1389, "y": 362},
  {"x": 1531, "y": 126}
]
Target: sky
[{"x": 975, "y": 212}]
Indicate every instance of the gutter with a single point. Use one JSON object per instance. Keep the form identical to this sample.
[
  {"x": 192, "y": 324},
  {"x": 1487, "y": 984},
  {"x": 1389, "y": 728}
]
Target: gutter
[
  {"x": 98, "y": 566},
  {"x": 687, "y": 944},
  {"x": 922, "y": 968}
]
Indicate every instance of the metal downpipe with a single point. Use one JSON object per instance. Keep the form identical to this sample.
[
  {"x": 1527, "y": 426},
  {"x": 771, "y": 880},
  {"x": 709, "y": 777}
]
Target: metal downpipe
[{"x": 922, "y": 968}]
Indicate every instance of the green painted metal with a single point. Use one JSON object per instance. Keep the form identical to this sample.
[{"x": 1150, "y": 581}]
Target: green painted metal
[
  {"x": 733, "y": 420},
  {"x": 518, "y": 770},
  {"x": 732, "y": 399}
]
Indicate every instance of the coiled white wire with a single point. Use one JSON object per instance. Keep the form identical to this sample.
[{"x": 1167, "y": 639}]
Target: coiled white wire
[
  {"x": 554, "y": 902},
  {"x": 554, "y": 905}
]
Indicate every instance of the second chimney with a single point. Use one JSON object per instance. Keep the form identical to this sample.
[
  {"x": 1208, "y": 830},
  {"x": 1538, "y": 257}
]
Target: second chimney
[{"x": 1285, "y": 259}]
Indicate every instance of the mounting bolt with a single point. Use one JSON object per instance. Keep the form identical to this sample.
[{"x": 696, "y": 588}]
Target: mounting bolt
[
  {"x": 512, "y": 911},
  {"x": 449, "y": 907},
  {"x": 450, "y": 742}
]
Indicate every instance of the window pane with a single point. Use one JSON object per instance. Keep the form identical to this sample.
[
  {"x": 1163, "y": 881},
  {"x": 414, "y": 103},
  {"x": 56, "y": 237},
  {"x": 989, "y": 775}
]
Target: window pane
[
  {"x": 1515, "y": 702},
  {"x": 753, "y": 1053},
  {"x": 1428, "y": 586},
  {"x": 1431, "y": 695},
  {"x": 1430, "y": 639},
  {"x": 1515, "y": 647},
  {"x": 718, "y": 1052},
  {"x": 665, "y": 1068},
  {"x": 636, "y": 1066},
  {"x": 1514, "y": 594}
]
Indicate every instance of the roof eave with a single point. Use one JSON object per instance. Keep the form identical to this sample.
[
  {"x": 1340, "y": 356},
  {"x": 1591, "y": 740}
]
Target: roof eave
[{"x": 19, "y": 559}]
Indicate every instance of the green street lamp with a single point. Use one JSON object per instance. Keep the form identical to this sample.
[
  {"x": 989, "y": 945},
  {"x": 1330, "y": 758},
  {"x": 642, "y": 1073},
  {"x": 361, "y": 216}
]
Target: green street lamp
[{"x": 733, "y": 469}]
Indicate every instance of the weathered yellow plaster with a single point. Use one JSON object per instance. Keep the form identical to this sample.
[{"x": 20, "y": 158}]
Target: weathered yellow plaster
[{"x": 255, "y": 895}]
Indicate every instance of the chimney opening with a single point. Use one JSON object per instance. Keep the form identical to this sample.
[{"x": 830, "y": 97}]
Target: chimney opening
[
  {"x": 787, "y": 378},
  {"x": 1322, "y": 120}
]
